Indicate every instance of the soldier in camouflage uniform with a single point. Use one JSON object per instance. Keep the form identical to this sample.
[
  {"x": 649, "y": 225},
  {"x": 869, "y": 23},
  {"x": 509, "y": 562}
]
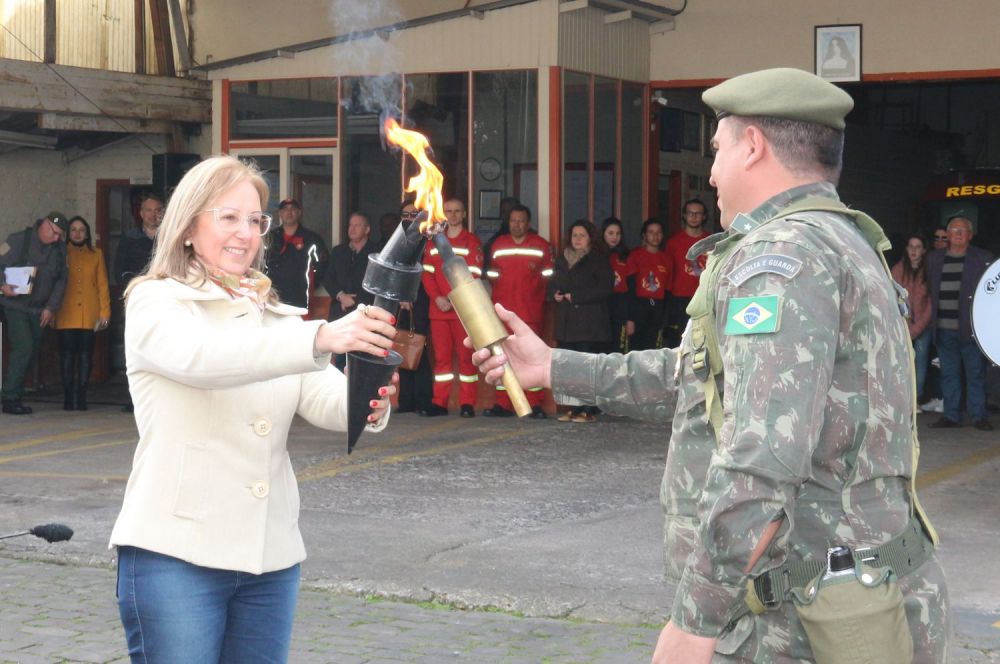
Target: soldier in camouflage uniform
[{"x": 791, "y": 394}]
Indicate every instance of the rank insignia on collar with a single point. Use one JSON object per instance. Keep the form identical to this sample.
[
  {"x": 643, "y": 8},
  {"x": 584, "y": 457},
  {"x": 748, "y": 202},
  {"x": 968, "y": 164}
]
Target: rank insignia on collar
[{"x": 753, "y": 315}]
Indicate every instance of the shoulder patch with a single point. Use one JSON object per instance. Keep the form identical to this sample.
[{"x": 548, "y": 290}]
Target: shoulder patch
[
  {"x": 753, "y": 315},
  {"x": 786, "y": 266},
  {"x": 4, "y": 249}
]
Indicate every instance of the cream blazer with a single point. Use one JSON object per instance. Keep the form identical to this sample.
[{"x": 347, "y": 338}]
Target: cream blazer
[{"x": 216, "y": 384}]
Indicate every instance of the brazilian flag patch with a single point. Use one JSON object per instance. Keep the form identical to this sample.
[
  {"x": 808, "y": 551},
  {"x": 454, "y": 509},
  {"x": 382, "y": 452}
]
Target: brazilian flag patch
[{"x": 753, "y": 315}]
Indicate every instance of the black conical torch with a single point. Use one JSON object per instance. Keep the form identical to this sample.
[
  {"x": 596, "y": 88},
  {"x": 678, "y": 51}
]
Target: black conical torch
[{"x": 392, "y": 276}]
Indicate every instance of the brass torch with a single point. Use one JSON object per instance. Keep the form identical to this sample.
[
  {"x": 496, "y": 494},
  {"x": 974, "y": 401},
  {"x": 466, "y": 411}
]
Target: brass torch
[{"x": 475, "y": 309}]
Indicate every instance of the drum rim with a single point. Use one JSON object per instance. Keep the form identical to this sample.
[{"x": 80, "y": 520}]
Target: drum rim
[{"x": 992, "y": 272}]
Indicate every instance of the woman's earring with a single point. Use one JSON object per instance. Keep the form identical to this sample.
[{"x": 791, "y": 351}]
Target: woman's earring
[{"x": 187, "y": 243}]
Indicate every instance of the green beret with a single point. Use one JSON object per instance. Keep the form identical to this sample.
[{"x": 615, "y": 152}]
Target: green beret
[{"x": 787, "y": 93}]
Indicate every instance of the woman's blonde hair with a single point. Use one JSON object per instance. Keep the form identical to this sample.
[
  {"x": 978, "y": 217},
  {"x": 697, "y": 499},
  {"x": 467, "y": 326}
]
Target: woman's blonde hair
[{"x": 195, "y": 193}]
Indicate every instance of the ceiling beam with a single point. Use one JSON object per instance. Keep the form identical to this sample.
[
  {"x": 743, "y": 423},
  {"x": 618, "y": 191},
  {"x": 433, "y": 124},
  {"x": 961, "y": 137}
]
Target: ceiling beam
[
  {"x": 50, "y": 32},
  {"x": 180, "y": 37},
  {"x": 38, "y": 87},
  {"x": 618, "y": 17},
  {"x": 640, "y": 9},
  {"x": 64, "y": 122},
  {"x": 573, "y": 5},
  {"x": 160, "y": 18},
  {"x": 28, "y": 140},
  {"x": 659, "y": 27}
]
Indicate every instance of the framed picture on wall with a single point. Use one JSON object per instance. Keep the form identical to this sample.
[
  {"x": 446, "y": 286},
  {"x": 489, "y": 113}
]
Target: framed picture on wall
[
  {"x": 838, "y": 52},
  {"x": 489, "y": 203}
]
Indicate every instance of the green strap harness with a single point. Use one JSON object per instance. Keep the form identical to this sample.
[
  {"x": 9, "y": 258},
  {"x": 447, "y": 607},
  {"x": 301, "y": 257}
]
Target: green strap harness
[{"x": 905, "y": 552}]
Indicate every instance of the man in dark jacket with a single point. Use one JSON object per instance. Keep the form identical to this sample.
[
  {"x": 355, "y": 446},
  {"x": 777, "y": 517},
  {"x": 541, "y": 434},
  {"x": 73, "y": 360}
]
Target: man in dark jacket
[
  {"x": 136, "y": 245},
  {"x": 136, "y": 248},
  {"x": 953, "y": 274},
  {"x": 346, "y": 271},
  {"x": 296, "y": 256},
  {"x": 43, "y": 248}
]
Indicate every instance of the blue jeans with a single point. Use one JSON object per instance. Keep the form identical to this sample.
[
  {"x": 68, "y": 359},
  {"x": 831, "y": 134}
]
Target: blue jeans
[
  {"x": 955, "y": 355},
  {"x": 174, "y": 611},
  {"x": 921, "y": 358}
]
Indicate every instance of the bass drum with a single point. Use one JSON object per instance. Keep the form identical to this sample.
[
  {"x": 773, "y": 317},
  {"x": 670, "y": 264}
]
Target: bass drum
[{"x": 986, "y": 313}]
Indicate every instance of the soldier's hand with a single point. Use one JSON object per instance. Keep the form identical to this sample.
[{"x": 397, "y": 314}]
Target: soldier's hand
[
  {"x": 46, "y": 318},
  {"x": 675, "y": 646},
  {"x": 529, "y": 356},
  {"x": 7, "y": 290}
]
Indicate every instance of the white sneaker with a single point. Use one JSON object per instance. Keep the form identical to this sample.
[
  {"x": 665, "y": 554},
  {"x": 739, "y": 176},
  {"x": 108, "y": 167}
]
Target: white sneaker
[{"x": 933, "y": 406}]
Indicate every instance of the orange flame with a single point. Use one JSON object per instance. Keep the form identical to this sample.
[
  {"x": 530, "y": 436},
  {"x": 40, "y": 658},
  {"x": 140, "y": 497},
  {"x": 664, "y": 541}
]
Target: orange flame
[{"x": 428, "y": 182}]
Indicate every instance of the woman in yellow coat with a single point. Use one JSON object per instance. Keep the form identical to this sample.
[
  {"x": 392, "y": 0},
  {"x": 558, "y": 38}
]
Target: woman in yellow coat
[{"x": 86, "y": 308}]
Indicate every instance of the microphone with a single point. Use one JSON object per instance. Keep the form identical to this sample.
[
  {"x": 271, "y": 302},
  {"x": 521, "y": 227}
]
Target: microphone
[{"x": 50, "y": 532}]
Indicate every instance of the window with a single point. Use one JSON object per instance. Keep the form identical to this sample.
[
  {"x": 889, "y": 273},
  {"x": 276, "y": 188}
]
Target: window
[{"x": 283, "y": 109}]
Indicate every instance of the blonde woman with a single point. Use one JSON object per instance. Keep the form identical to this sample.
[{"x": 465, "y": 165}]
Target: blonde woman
[{"x": 208, "y": 539}]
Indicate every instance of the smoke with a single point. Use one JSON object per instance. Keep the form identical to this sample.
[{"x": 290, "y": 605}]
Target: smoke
[{"x": 371, "y": 52}]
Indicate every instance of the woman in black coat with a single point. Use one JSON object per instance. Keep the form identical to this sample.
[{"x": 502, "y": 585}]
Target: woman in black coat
[{"x": 581, "y": 287}]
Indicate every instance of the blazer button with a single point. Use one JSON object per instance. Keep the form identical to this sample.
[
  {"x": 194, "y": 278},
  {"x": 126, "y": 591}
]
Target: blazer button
[
  {"x": 260, "y": 489},
  {"x": 261, "y": 427}
]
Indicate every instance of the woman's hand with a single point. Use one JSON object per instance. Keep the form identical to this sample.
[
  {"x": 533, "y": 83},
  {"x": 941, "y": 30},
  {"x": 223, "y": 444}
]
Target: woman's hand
[
  {"x": 529, "y": 356},
  {"x": 558, "y": 296},
  {"x": 380, "y": 406},
  {"x": 367, "y": 329}
]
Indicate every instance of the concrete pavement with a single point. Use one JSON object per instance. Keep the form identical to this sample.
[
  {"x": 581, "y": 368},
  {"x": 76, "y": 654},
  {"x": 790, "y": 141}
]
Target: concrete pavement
[{"x": 536, "y": 521}]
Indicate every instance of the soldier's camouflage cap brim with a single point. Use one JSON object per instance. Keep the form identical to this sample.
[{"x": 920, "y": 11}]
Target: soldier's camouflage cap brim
[{"x": 784, "y": 92}]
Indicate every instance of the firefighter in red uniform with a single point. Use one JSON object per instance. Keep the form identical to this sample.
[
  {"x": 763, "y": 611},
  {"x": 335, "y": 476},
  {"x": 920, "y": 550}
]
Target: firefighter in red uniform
[
  {"x": 520, "y": 264},
  {"x": 447, "y": 332},
  {"x": 685, "y": 273},
  {"x": 652, "y": 269}
]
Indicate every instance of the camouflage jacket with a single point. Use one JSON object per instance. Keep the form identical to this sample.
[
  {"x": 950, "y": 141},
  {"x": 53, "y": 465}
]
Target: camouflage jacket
[{"x": 817, "y": 401}]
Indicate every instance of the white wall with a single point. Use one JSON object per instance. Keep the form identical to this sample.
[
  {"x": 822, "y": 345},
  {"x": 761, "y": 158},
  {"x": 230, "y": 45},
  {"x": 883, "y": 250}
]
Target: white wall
[
  {"x": 721, "y": 38},
  {"x": 37, "y": 182},
  {"x": 266, "y": 24},
  {"x": 34, "y": 183}
]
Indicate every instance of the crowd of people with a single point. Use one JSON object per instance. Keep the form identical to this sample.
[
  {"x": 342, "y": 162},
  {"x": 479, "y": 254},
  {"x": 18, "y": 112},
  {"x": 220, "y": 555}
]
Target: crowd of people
[
  {"x": 792, "y": 309},
  {"x": 603, "y": 297}
]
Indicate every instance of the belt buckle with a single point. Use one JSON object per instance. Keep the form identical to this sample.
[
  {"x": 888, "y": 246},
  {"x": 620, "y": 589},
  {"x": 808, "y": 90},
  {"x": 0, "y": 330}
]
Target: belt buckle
[
  {"x": 765, "y": 592},
  {"x": 873, "y": 554}
]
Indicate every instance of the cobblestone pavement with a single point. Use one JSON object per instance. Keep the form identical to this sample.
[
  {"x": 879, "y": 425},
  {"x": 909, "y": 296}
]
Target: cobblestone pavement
[
  {"x": 54, "y": 613},
  {"x": 64, "y": 613}
]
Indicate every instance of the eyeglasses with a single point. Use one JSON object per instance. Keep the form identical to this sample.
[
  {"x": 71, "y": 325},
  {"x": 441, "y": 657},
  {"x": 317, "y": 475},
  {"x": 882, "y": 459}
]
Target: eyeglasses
[
  {"x": 230, "y": 220},
  {"x": 940, "y": 238},
  {"x": 409, "y": 215}
]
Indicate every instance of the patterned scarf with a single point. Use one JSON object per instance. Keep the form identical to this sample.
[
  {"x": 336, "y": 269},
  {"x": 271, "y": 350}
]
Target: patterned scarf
[
  {"x": 254, "y": 285},
  {"x": 573, "y": 256}
]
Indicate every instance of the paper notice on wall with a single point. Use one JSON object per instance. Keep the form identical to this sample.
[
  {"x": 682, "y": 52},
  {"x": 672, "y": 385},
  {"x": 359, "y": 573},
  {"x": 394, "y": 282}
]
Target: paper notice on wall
[{"x": 20, "y": 278}]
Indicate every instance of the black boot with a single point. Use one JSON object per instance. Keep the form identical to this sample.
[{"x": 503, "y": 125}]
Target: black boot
[
  {"x": 82, "y": 381},
  {"x": 68, "y": 371}
]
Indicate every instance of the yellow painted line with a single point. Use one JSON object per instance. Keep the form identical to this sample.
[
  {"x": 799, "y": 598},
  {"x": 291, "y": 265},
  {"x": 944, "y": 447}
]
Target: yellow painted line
[
  {"x": 65, "y": 476},
  {"x": 319, "y": 469},
  {"x": 925, "y": 480},
  {"x": 78, "y": 448},
  {"x": 65, "y": 435},
  {"x": 400, "y": 458}
]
